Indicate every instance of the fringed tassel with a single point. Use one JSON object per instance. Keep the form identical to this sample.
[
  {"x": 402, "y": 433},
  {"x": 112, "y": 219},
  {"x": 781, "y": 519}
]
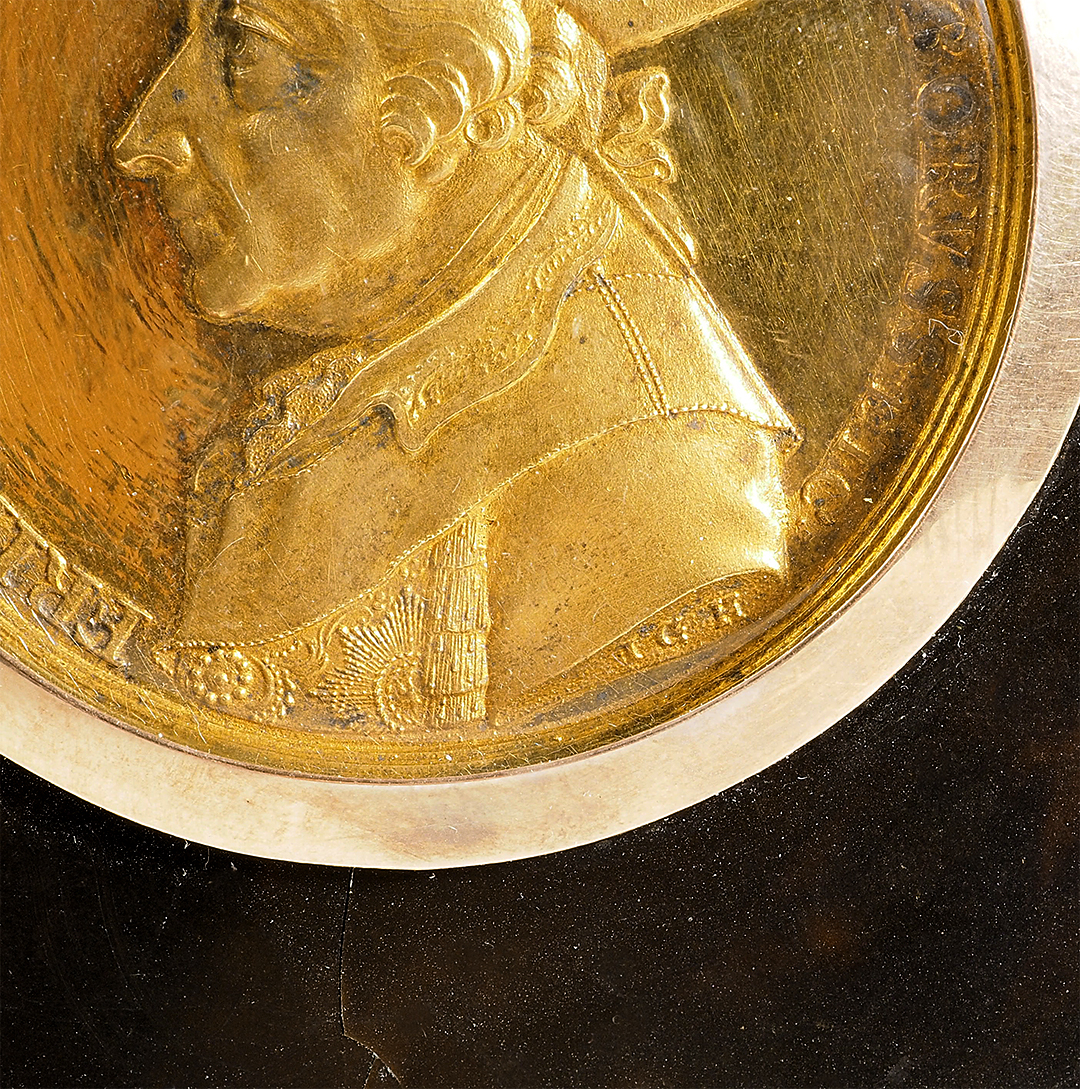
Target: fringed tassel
[{"x": 455, "y": 665}]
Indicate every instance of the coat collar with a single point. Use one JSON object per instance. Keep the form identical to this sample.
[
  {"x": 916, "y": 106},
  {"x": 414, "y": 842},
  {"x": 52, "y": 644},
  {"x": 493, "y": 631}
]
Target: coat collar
[{"x": 476, "y": 329}]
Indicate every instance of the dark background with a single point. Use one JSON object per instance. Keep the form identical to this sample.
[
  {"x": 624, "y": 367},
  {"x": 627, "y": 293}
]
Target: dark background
[{"x": 894, "y": 905}]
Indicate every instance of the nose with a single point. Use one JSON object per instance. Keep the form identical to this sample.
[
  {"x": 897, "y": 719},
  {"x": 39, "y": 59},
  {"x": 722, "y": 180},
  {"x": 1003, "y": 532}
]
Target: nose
[{"x": 155, "y": 141}]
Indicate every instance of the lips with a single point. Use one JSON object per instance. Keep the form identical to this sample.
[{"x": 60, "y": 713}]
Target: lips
[
  {"x": 201, "y": 229},
  {"x": 203, "y": 236}
]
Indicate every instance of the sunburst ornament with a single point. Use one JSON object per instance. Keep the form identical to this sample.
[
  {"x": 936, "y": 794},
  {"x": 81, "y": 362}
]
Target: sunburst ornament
[{"x": 380, "y": 679}]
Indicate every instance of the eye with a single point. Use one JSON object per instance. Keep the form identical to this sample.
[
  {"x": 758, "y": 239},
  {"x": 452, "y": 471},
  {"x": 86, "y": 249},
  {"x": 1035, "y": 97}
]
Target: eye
[{"x": 260, "y": 72}]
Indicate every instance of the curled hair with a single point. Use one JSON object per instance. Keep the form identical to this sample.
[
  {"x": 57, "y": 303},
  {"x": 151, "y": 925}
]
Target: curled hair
[
  {"x": 564, "y": 96},
  {"x": 455, "y": 72},
  {"x": 615, "y": 124},
  {"x": 477, "y": 72}
]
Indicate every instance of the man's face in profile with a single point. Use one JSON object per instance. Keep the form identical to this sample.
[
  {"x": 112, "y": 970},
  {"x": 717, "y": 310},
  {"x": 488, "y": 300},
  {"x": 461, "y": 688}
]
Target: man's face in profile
[{"x": 262, "y": 133}]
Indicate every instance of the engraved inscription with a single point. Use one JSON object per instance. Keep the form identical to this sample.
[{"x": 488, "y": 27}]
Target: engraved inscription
[
  {"x": 700, "y": 619},
  {"x": 37, "y": 578},
  {"x": 929, "y": 329},
  {"x": 947, "y": 103}
]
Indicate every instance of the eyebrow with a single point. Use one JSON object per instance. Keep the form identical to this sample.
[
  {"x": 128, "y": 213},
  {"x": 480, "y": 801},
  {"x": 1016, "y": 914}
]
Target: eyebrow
[
  {"x": 249, "y": 16},
  {"x": 313, "y": 27}
]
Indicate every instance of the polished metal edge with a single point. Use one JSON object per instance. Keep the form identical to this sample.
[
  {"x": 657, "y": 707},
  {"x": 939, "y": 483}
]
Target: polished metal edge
[{"x": 535, "y": 810}]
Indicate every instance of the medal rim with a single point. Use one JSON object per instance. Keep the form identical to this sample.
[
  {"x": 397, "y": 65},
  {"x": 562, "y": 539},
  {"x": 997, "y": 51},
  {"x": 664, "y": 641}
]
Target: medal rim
[{"x": 540, "y": 808}]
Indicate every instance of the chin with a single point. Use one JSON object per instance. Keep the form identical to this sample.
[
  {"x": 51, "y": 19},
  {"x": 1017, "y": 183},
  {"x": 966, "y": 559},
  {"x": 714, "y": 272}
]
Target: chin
[
  {"x": 222, "y": 299},
  {"x": 230, "y": 296}
]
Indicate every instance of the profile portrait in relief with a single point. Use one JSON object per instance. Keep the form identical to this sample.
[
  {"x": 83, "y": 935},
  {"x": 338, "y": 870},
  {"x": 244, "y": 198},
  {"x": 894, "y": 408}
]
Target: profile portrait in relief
[{"x": 528, "y": 458}]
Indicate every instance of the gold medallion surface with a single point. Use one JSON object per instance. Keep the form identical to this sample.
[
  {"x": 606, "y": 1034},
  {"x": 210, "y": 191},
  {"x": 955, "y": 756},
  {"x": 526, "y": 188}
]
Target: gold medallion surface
[{"x": 398, "y": 389}]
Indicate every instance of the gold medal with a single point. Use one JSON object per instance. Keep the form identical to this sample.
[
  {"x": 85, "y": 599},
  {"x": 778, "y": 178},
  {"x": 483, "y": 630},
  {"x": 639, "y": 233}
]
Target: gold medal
[{"x": 425, "y": 418}]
